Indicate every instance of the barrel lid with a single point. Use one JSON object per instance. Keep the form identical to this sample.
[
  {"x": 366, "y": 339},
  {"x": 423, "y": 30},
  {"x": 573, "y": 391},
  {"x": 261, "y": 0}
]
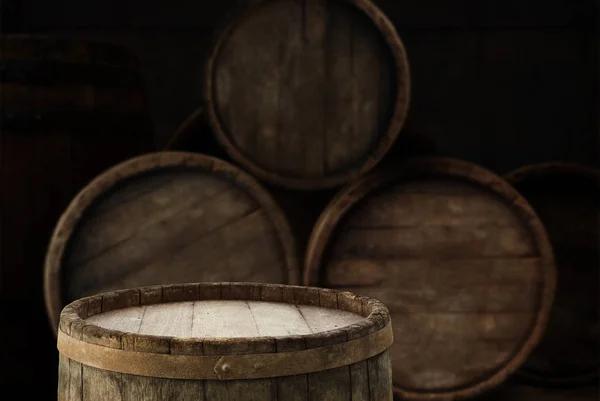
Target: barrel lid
[
  {"x": 223, "y": 331},
  {"x": 460, "y": 259},
  {"x": 167, "y": 217}
]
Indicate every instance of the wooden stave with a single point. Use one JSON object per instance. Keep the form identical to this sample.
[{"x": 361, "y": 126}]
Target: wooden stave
[
  {"x": 69, "y": 219},
  {"x": 397, "y": 121},
  {"x": 544, "y": 171},
  {"x": 426, "y": 167},
  {"x": 375, "y": 314}
]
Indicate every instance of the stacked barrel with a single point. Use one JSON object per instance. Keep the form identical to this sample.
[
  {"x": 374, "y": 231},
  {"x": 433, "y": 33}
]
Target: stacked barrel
[{"x": 194, "y": 269}]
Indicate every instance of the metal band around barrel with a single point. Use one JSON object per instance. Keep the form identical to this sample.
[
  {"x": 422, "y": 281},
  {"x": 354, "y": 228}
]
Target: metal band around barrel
[{"x": 226, "y": 367}]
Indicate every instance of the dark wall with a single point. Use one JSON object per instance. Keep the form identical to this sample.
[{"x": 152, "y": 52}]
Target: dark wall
[{"x": 501, "y": 83}]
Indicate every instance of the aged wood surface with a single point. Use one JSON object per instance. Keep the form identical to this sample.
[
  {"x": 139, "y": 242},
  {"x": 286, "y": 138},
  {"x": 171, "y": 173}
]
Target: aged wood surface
[
  {"x": 68, "y": 110},
  {"x": 168, "y": 217},
  {"x": 566, "y": 197},
  {"x": 308, "y": 94},
  {"x": 224, "y": 319},
  {"x": 460, "y": 260},
  {"x": 271, "y": 307}
]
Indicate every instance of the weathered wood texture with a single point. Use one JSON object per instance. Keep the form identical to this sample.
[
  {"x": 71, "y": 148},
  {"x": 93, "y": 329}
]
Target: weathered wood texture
[
  {"x": 459, "y": 258},
  {"x": 308, "y": 94},
  {"x": 69, "y": 110},
  {"x": 302, "y": 208},
  {"x": 520, "y": 392},
  {"x": 164, "y": 218},
  {"x": 248, "y": 319},
  {"x": 566, "y": 197}
]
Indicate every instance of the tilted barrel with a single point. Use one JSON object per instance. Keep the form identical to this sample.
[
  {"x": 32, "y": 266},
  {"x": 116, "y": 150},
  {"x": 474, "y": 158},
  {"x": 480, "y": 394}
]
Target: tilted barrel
[
  {"x": 225, "y": 342},
  {"x": 566, "y": 197},
  {"x": 459, "y": 258},
  {"x": 164, "y": 218}
]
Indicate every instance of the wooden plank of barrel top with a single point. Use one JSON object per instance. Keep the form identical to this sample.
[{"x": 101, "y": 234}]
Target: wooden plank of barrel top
[
  {"x": 69, "y": 110},
  {"x": 225, "y": 342},
  {"x": 567, "y": 199},
  {"x": 520, "y": 392},
  {"x": 162, "y": 218},
  {"x": 459, "y": 258},
  {"x": 308, "y": 94}
]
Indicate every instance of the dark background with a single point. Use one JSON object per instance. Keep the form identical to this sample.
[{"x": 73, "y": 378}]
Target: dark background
[{"x": 500, "y": 83}]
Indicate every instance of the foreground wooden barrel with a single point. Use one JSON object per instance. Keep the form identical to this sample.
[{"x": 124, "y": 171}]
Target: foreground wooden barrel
[
  {"x": 225, "y": 341},
  {"x": 308, "y": 94},
  {"x": 167, "y": 217},
  {"x": 459, "y": 258},
  {"x": 69, "y": 110},
  {"x": 567, "y": 199}
]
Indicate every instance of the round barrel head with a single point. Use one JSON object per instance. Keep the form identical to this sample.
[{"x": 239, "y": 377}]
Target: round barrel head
[
  {"x": 460, "y": 260},
  {"x": 308, "y": 94},
  {"x": 168, "y": 217}
]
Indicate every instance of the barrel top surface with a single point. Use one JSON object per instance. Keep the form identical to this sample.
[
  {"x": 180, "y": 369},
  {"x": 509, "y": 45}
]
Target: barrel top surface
[
  {"x": 566, "y": 197},
  {"x": 459, "y": 258},
  {"x": 223, "y": 331},
  {"x": 308, "y": 94},
  {"x": 225, "y": 319},
  {"x": 162, "y": 218}
]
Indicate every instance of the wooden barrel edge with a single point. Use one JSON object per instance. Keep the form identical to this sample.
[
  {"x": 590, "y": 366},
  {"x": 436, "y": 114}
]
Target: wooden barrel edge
[
  {"x": 540, "y": 171},
  {"x": 425, "y": 166},
  {"x": 186, "y": 129},
  {"x": 157, "y": 160},
  {"x": 397, "y": 120},
  {"x": 372, "y": 335}
]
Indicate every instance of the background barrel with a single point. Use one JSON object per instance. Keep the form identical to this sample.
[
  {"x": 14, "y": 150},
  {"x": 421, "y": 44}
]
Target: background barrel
[
  {"x": 69, "y": 110},
  {"x": 225, "y": 342},
  {"x": 163, "y": 218},
  {"x": 567, "y": 199},
  {"x": 308, "y": 94},
  {"x": 459, "y": 258}
]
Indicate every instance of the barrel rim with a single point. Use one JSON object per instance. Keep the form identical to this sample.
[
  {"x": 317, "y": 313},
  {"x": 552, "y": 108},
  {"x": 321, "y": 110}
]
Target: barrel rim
[
  {"x": 445, "y": 167},
  {"x": 73, "y": 316},
  {"x": 536, "y": 171},
  {"x": 533, "y": 172},
  {"x": 186, "y": 129},
  {"x": 397, "y": 120},
  {"x": 70, "y": 218}
]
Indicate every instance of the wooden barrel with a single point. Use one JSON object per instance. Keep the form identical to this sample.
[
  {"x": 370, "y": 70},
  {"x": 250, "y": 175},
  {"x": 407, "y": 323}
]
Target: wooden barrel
[
  {"x": 69, "y": 110},
  {"x": 459, "y": 258},
  {"x": 566, "y": 197},
  {"x": 163, "y": 218},
  {"x": 308, "y": 94},
  {"x": 225, "y": 341}
]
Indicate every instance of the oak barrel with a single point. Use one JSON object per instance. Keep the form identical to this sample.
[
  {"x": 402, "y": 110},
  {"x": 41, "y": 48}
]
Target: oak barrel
[
  {"x": 566, "y": 197},
  {"x": 163, "y": 218},
  {"x": 69, "y": 110},
  {"x": 225, "y": 342},
  {"x": 459, "y": 258},
  {"x": 308, "y": 94}
]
